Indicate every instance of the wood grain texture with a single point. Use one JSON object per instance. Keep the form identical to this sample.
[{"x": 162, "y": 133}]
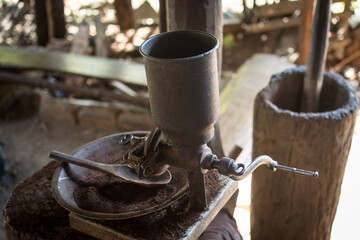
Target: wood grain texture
[
  {"x": 307, "y": 10},
  {"x": 201, "y": 15},
  {"x": 289, "y": 206},
  {"x": 124, "y": 14}
]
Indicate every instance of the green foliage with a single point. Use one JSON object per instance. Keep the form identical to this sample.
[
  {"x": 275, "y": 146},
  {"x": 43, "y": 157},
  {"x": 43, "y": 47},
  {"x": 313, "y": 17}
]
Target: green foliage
[{"x": 228, "y": 40}]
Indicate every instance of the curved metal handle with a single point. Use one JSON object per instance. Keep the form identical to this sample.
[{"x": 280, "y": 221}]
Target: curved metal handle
[
  {"x": 228, "y": 167},
  {"x": 273, "y": 165}
]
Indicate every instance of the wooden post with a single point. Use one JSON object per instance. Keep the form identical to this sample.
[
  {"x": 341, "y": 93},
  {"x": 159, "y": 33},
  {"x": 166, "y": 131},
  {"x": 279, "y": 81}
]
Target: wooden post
[
  {"x": 50, "y": 20},
  {"x": 307, "y": 10},
  {"x": 197, "y": 15},
  {"x": 41, "y": 22},
  {"x": 201, "y": 15},
  {"x": 57, "y": 14},
  {"x": 289, "y": 206},
  {"x": 124, "y": 14},
  {"x": 162, "y": 16}
]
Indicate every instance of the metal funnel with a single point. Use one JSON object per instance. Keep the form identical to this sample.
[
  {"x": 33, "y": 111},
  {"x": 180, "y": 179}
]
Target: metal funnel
[{"x": 181, "y": 71}]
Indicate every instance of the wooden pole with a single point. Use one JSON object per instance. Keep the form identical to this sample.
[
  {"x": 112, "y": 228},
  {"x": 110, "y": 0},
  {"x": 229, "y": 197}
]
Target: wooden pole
[
  {"x": 57, "y": 14},
  {"x": 307, "y": 11},
  {"x": 41, "y": 22},
  {"x": 201, "y": 15},
  {"x": 162, "y": 16},
  {"x": 50, "y": 20}
]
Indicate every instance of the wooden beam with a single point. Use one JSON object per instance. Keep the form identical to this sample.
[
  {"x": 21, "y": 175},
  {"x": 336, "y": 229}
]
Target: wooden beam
[
  {"x": 103, "y": 68},
  {"x": 272, "y": 25},
  {"x": 84, "y": 92},
  {"x": 305, "y": 30},
  {"x": 276, "y": 10},
  {"x": 124, "y": 14}
]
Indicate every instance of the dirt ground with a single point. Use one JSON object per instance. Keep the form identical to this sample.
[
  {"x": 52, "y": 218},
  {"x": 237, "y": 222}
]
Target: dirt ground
[{"x": 27, "y": 144}]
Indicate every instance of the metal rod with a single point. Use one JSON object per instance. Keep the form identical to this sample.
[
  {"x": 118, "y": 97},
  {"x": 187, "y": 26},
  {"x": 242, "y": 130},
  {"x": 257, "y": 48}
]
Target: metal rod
[
  {"x": 296, "y": 170},
  {"x": 229, "y": 168},
  {"x": 313, "y": 79}
]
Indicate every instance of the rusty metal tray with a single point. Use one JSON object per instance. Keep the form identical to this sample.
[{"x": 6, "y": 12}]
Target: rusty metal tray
[{"x": 68, "y": 176}]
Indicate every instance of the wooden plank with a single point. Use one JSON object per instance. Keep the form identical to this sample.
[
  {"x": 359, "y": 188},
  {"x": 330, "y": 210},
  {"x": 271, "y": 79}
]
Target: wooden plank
[
  {"x": 272, "y": 25},
  {"x": 237, "y": 97},
  {"x": 103, "y": 68},
  {"x": 276, "y": 10},
  {"x": 78, "y": 91},
  {"x": 127, "y": 72}
]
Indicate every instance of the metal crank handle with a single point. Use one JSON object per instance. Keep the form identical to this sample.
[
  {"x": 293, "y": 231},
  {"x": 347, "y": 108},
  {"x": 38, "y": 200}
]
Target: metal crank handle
[
  {"x": 237, "y": 171},
  {"x": 273, "y": 165}
]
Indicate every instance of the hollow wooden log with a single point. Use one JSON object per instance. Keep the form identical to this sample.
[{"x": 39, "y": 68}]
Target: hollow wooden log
[{"x": 289, "y": 206}]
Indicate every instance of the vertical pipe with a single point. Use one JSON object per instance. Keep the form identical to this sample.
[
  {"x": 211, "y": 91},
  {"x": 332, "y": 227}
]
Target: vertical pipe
[{"x": 313, "y": 79}]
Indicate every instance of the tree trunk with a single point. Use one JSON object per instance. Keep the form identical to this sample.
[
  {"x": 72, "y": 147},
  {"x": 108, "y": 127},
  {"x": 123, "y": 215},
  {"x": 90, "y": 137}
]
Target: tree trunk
[{"x": 289, "y": 206}]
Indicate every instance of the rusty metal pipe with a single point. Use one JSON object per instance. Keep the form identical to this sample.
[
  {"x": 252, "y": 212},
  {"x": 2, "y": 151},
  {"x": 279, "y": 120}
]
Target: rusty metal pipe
[{"x": 313, "y": 80}]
